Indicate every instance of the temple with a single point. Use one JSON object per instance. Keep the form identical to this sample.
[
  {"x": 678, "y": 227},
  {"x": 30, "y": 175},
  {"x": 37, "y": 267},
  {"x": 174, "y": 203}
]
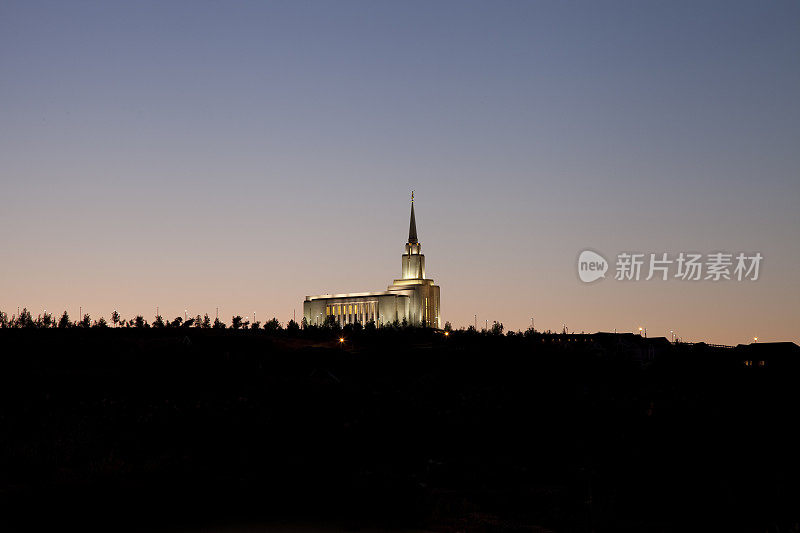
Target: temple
[{"x": 412, "y": 299}]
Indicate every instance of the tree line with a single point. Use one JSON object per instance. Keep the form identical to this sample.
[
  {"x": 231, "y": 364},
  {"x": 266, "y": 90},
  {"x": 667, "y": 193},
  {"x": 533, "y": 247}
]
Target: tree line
[
  {"x": 25, "y": 320},
  {"x": 47, "y": 320}
]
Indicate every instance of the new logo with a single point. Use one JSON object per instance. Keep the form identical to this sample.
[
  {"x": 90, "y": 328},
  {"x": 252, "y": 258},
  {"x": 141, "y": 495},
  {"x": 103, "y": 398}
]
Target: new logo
[{"x": 591, "y": 266}]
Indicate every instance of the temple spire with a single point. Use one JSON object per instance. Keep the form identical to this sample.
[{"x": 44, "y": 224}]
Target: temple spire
[{"x": 412, "y": 228}]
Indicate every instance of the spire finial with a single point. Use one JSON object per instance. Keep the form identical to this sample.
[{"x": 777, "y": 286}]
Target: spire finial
[{"x": 412, "y": 197}]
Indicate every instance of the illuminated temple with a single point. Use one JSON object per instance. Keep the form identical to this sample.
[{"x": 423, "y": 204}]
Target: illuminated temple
[{"x": 412, "y": 298}]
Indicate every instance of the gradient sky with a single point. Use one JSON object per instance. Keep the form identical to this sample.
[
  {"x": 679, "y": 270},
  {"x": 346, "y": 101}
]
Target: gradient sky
[{"x": 246, "y": 154}]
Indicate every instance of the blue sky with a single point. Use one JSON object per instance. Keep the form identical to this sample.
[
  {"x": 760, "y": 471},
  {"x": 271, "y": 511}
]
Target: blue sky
[{"x": 246, "y": 154}]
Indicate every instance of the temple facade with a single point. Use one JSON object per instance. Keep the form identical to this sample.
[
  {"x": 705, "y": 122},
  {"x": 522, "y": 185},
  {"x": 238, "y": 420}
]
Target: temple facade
[{"x": 412, "y": 297}]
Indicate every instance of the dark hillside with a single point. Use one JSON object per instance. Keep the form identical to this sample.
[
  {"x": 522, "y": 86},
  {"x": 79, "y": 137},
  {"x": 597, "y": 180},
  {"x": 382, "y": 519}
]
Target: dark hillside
[{"x": 115, "y": 428}]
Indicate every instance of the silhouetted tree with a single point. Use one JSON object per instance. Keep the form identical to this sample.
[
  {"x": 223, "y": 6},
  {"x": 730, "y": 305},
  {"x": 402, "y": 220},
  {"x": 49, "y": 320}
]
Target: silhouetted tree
[
  {"x": 272, "y": 325},
  {"x": 292, "y": 328},
  {"x": 236, "y": 322},
  {"x": 206, "y": 321},
  {"x": 139, "y": 321},
  {"x": 101, "y": 323},
  {"x": 189, "y": 323},
  {"x": 497, "y": 328},
  {"x": 255, "y": 325},
  {"x": 158, "y": 322},
  {"x": 177, "y": 322},
  {"x": 46, "y": 320},
  {"x": 115, "y": 318},
  {"x": 86, "y": 321},
  {"x": 218, "y": 324},
  {"x": 64, "y": 322},
  {"x": 198, "y": 321},
  {"x": 3, "y": 320},
  {"x": 448, "y": 327},
  {"x": 25, "y": 320}
]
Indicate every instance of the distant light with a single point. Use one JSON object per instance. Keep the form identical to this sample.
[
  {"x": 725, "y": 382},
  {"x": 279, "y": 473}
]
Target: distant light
[
  {"x": 755, "y": 339},
  {"x": 446, "y": 333},
  {"x": 341, "y": 339}
]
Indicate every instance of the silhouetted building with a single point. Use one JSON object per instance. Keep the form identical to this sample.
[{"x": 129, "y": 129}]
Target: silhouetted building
[
  {"x": 779, "y": 356},
  {"x": 412, "y": 298}
]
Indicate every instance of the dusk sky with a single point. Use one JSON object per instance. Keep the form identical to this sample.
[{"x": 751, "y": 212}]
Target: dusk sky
[{"x": 242, "y": 155}]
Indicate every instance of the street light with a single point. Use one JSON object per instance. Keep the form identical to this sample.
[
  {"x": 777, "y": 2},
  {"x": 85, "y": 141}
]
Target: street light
[{"x": 755, "y": 339}]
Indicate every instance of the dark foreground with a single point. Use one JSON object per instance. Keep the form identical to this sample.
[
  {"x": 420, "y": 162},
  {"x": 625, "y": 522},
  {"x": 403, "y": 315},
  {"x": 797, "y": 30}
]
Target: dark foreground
[{"x": 161, "y": 430}]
